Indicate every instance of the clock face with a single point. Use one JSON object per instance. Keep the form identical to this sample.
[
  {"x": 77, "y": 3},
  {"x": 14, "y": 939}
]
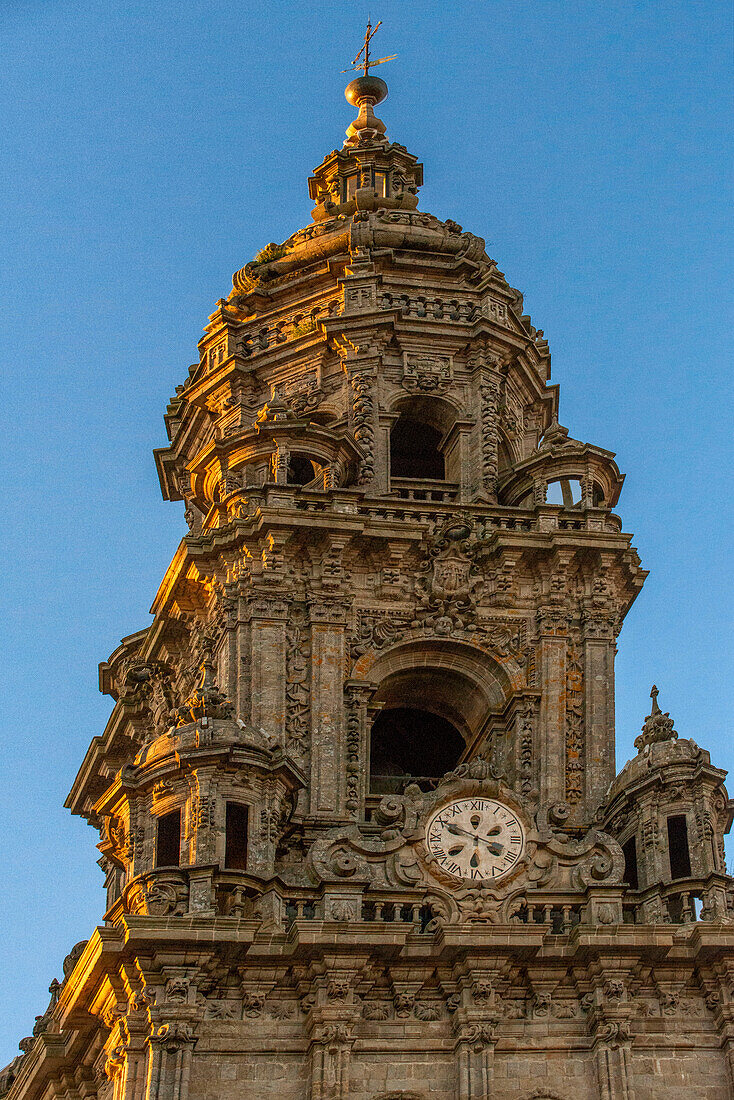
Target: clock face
[{"x": 475, "y": 838}]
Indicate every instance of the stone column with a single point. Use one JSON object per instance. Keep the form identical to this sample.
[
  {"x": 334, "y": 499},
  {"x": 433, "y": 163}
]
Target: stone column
[
  {"x": 552, "y": 630},
  {"x": 334, "y": 1011},
  {"x": 609, "y": 1010},
  {"x": 718, "y": 982},
  {"x": 328, "y": 786},
  {"x": 612, "y": 1046},
  {"x": 330, "y": 1052},
  {"x": 127, "y": 1049}
]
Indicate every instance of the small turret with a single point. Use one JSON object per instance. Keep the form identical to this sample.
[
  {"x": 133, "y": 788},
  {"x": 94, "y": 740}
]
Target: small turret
[{"x": 669, "y": 810}]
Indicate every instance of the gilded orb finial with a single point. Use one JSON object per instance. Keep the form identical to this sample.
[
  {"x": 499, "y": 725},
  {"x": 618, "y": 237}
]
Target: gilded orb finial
[{"x": 365, "y": 92}]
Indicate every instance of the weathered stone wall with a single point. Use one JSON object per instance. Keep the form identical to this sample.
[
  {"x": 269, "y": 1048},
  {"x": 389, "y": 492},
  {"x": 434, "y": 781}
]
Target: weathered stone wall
[{"x": 392, "y": 1065}]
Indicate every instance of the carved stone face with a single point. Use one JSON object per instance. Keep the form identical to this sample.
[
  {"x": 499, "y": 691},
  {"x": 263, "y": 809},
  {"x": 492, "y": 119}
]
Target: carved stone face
[{"x": 475, "y": 839}]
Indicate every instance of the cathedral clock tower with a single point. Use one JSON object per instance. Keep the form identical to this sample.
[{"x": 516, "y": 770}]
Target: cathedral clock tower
[{"x": 359, "y": 821}]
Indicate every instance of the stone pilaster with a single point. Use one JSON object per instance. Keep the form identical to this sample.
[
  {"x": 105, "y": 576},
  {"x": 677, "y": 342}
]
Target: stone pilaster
[
  {"x": 328, "y": 784},
  {"x": 268, "y": 619},
  {"x": 169, "y": 1068},
  {"x": 552, "y": 630},
  {"x": 599, "y": 652}
]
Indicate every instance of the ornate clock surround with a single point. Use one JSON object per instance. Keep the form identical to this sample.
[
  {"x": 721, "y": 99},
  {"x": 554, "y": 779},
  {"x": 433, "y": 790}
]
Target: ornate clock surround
[{"x": 473, "y": 782}]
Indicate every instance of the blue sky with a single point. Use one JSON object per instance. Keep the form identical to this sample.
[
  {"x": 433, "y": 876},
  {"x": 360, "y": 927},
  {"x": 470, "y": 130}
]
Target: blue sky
[{"x": 151, "y": 149}]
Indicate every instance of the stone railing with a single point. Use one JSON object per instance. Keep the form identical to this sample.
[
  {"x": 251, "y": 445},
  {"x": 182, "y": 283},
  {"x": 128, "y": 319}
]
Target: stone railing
[
  {"x": 557, "y": 915},
  {"x": 412, "y": 915},
  {"x": 414, "y": 501},
  {"x": 439, "y": 492},
  {"x": 280, "y": 908},
  {"x": 683, "y": 902}
]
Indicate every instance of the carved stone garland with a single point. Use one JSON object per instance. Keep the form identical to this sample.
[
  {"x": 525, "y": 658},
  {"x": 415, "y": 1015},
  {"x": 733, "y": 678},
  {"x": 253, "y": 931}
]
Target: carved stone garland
[
  {"x": 362, "y": 423},
  {"x": 574, "y": 771},
  {"x": 298, "y": 682},
  {"x": 356, "y": 698},
  {"x": 525, "y": 743},
  {"x": 490, "y": 398}
]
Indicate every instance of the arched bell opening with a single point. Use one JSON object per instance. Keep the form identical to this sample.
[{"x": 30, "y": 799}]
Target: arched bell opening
[
  {"x": 432, "y": 709},
  {"x": 566, "y": 491},
  {"x": 410, "y": 745},
  {"x": 415, "y": 450},
  {"x": 301, "y": 470},
  {"x": 422, "y": 448}
]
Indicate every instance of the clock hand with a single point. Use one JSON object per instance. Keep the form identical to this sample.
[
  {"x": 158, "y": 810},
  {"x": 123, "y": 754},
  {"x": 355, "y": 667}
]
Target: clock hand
[
  {"x": 458, "y": 831},
  {"x": 495, "y": 849}
]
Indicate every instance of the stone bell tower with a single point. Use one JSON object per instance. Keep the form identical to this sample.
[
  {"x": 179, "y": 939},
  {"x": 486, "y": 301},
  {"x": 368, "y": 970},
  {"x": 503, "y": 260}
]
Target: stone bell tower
[{"x": 359, "y": 820}]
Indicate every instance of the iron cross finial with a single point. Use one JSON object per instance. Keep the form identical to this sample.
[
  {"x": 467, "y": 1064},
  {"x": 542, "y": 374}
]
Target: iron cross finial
[{"x": 366, "y": 63}]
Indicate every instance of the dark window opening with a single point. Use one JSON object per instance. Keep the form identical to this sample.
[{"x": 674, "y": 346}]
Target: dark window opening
[
  {"x": 409, "y": 745},
  {"x": 597, "y": 495},
  {"x": 414, "y": 451},
  {"x": 629, "y": 849},
  {"x": 168, "y": 840},
  {"x": 300, "y": 470},
  {"x": 680, "y": 858},
  {"x": 235, "y": 852}
]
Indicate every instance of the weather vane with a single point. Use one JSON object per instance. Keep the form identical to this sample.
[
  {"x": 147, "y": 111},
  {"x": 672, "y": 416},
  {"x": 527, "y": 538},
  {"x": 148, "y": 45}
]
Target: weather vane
[{"x": 366, "y": 64}]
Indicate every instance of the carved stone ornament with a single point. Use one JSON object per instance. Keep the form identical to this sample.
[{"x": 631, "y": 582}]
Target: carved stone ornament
[
  {"x": 399, "y": 855},
  {"x": 657, "y": 727},
  {"x": 206, "y": 701},
  {"x": 448, "y": 583},
  {"x": 428, "y": 373},
  {"x": 174, "y": 1036},
  {"x": 477, "y": 1036},
  {"x": 159, "y": 894}
]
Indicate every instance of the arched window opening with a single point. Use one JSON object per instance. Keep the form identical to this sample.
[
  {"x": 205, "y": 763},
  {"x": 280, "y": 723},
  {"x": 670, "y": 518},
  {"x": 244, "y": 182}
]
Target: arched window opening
[
  {"x": 300, "y": 470},
  {"x": 411, "y": 745},
  {"x": 504, "y": 458},
  {"x": 565, "y": 491},
  {"x": 168, "y": 840},
  {"x": 414, "y": 450}
]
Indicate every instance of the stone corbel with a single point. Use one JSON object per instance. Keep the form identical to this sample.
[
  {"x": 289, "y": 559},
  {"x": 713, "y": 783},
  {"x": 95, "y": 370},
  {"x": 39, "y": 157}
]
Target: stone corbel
[
  {"x": 332, "y": 574},
  {"x": 273, "y": 556}
]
